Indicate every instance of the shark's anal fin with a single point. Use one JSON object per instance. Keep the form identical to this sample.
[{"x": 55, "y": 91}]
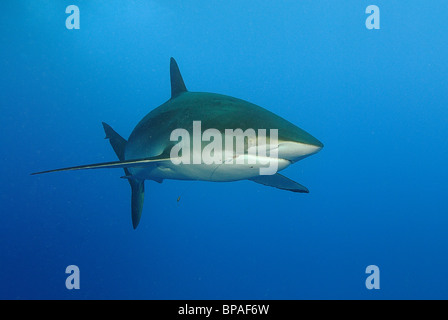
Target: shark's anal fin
[
  {"x": 177, "y": 83},
  {"x": 138, "y": 196},
  {"x": 280, "y": 182}
]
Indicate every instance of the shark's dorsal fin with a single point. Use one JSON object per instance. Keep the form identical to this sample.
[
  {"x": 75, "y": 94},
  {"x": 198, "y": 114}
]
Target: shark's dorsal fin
[{"x": 177, "y": 83}]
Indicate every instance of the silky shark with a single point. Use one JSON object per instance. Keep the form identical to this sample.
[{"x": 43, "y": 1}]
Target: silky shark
[{"x": 147, "y": 154}]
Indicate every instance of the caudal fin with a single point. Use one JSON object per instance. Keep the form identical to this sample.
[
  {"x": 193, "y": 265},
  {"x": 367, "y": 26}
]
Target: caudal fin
[
  {"x": 138, "y": 196},
  {"x": 118, "y": 143}
]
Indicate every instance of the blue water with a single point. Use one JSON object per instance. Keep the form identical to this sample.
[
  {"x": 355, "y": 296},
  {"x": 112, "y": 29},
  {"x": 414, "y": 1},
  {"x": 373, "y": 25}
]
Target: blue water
[{"x": 377, "y": 99}]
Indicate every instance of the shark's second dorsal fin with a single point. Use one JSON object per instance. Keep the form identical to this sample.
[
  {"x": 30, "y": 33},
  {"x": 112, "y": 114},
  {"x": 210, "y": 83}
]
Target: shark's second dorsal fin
[{"x": 177, "y": 83}]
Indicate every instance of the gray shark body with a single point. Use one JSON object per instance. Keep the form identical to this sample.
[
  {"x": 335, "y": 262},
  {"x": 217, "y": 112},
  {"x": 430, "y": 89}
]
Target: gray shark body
[{"x": 146, "y": 154}]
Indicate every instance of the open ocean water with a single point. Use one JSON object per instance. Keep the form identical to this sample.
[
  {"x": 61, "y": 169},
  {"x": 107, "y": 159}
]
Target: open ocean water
[{"x": 376, "y": 98}]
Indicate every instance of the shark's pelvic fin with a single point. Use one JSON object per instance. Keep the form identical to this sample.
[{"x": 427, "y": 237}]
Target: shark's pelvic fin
[
  {"x": 280, "y": 182},
  {"x": 177, "y": 83}
]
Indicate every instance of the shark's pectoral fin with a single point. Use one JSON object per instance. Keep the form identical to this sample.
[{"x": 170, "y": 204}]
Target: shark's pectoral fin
[
  {"x": 280, "y": 182},
  {"x": 138, "y": 196}
]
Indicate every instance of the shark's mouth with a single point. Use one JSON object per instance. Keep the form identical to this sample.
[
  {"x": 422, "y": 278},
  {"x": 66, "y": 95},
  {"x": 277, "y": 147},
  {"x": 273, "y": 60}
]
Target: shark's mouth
[{"x": 246, "y": 167}]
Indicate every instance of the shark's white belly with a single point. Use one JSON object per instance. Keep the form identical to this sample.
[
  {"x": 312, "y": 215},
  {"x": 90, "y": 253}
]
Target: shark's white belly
[{"x": 229, "y": 170}]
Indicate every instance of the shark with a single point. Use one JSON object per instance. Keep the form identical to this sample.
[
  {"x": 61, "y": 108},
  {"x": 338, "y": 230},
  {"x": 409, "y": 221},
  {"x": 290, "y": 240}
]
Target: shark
[{"x": 147, "y": 153}]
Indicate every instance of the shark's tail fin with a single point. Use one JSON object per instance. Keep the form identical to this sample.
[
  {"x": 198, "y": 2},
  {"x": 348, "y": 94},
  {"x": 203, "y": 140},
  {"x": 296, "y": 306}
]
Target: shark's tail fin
[
  {"x": 118, "y": 143},
  {"x": 138, "y": 196}
]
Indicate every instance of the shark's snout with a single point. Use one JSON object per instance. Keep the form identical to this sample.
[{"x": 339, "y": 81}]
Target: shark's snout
[{"x": 295, "y": 151}]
